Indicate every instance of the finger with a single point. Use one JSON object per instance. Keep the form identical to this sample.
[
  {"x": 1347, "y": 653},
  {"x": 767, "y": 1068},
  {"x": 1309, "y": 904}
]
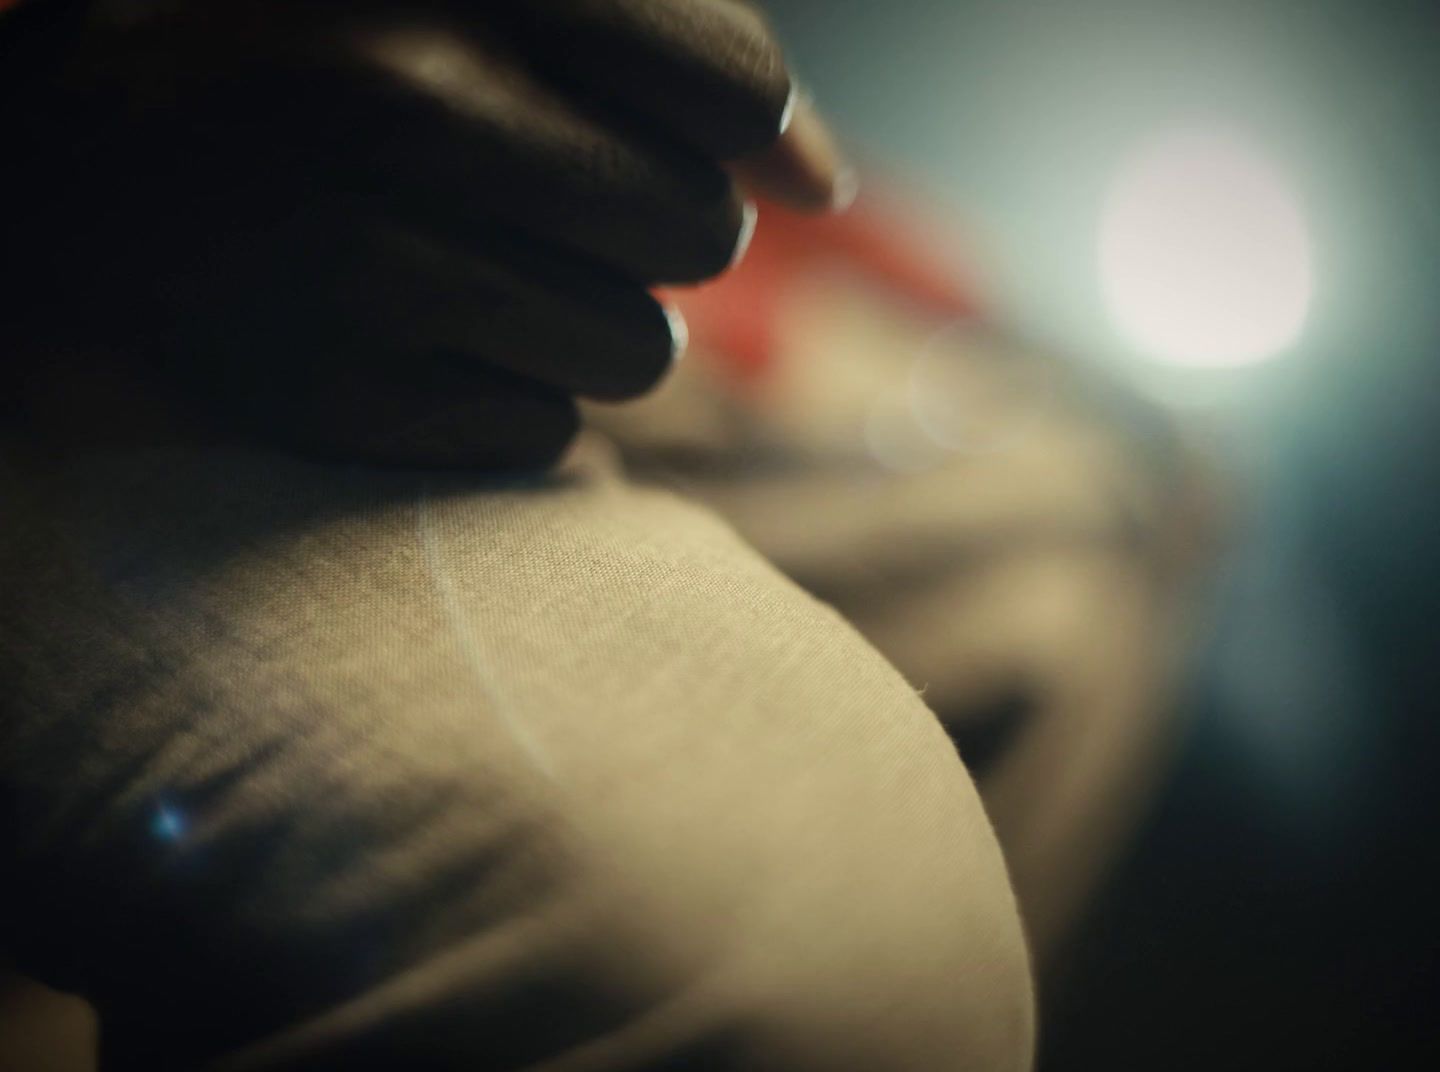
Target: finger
[
  {"x": 423, "y": 107},
  {"x": 327, "y": 316},
  {"x": 507, "y": 303},
  {"x": 355, "y": 289},
  {"x": 407, "y": 408},
  {"x": 463, "y": 128},
  {"x": 709, "y": 73},
  {"x": 705, "y": 73},
  {"x": 472, "y": 419},
  {"x": 803, "y": 170}
]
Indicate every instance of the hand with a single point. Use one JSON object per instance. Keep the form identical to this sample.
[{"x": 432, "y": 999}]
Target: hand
[{"x": 395, "y": 230}]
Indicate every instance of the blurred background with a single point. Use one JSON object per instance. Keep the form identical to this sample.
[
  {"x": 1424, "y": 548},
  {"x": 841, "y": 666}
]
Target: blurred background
[{"x": 1277, "y": 910}]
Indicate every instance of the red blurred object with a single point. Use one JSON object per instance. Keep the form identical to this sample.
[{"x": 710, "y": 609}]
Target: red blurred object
[{"x": 736, "y": 317}]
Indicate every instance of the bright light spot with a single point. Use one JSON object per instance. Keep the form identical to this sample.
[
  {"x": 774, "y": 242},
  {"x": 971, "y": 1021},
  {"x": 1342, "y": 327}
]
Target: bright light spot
[{"x": 1205, "y": 258}]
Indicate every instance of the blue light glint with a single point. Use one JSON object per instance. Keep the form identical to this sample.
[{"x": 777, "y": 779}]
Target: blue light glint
[{"x": 168, "y": 824}]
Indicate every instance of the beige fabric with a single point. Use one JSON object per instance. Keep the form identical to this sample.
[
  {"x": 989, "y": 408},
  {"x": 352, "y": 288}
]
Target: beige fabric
[
  {"x": 1018, "y": 536},
  {"x": 328, "y": 767},
  {"x": 607, "y": 782}
]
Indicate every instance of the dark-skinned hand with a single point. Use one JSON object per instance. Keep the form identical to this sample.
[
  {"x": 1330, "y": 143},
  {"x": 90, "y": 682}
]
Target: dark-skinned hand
[{"x": 412, "y": 232}]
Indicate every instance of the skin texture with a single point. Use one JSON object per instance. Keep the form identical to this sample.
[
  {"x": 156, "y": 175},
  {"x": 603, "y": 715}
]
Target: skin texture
[{"x": 413, "y": 232}]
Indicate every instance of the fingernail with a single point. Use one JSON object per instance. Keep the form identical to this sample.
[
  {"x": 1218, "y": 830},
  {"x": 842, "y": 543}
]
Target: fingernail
[
  {"x": 792, "y": 102},
  {"x": 750, "y": 215},
  {"x": 679, "y": 332}
]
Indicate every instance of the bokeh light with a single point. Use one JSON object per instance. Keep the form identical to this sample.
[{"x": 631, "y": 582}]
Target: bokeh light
[{"x": 1205, "y": 257}]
